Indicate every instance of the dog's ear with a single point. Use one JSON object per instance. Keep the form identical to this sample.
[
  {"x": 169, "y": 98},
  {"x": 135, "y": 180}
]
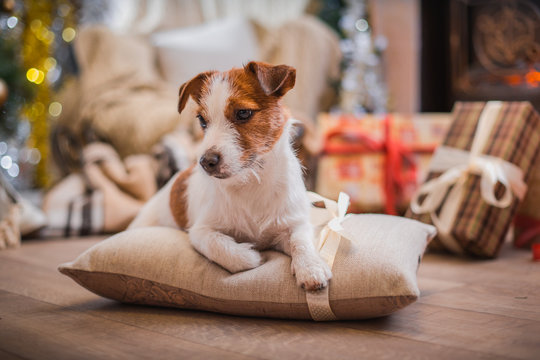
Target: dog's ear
[
  {"x": 274, "y": 80},
  {"x": 192, "y": 88}
]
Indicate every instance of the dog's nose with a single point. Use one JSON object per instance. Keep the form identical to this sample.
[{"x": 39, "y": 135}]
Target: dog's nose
[{"x": 210, "y": 161}]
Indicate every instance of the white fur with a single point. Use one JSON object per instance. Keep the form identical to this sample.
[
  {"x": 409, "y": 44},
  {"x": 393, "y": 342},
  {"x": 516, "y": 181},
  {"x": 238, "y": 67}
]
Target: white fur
[
  {"x": 256, "y": 208},
  {"x": 156, "y": 211},
  {"x": 220, "y": 135}
]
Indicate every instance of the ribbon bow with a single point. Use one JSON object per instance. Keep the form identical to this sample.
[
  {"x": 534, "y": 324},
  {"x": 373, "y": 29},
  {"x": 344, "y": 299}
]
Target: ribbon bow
[
  {"x": 329, "y": 240},
  {"x": 456, "y": 165},
  {"x": 335, "y": 223}
]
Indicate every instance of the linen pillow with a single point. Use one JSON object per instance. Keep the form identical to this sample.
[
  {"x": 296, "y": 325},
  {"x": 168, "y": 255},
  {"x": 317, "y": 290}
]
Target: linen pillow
[
  {"x": 219, "y": 45},
  {"x": 374, "y": 272}
]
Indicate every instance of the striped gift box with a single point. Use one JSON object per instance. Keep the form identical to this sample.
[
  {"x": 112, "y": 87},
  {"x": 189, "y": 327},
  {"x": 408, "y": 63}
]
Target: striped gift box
[{"x": 478, "y": 228}]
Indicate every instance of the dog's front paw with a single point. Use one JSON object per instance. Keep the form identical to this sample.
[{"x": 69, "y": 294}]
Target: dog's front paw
[
  {"x": 242, "y": 257},
  {"x": 312, "y": 273}
]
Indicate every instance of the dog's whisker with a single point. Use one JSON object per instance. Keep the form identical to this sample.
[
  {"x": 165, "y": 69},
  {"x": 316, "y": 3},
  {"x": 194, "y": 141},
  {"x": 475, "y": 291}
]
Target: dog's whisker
[{"x": 255, "y": 175}]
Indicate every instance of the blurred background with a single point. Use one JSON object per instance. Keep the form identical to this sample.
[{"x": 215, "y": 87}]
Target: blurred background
[{"x": 88, "y": 90}]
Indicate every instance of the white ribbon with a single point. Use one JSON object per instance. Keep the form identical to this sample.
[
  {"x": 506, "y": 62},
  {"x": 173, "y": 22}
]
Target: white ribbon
[
  {"x": 328, "y": 245},
  {"x": 331, "y": 234},
  {"x": 456, "y": 165}
]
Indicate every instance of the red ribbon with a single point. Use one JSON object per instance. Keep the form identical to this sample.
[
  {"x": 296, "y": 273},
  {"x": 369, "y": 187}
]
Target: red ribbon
[
  {"x": 398, "y": 154},
  {"x": 529, "y": 229}
]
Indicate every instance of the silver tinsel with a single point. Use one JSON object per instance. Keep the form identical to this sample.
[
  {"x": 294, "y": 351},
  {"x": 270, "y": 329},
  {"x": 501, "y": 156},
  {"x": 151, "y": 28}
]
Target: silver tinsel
[{"x": 363, "y": 89}]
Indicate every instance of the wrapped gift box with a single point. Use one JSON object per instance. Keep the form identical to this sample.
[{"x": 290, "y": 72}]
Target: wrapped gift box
[
  {"x": 377, "y": 160},
  {"x": 478, "y": 176}
]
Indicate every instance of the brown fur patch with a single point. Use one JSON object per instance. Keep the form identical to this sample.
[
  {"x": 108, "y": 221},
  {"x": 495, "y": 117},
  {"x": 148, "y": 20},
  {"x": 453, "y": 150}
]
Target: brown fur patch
[
  {"x": 260, "y": 133},
  {"x": 178, "y": 199},
  {"x": 257, "y": 87},
  {"x": 193, "y": 88}
]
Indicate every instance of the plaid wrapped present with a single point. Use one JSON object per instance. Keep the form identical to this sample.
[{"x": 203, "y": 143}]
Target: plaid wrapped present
[
  {"x": 379, "y": 161},
  {"x": 478, "y": 176}
]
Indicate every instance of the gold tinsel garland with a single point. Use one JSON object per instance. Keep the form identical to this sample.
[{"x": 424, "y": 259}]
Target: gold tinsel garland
[
  {"x": 37, "y": 42},
  {"x": 38, "y": 47}
]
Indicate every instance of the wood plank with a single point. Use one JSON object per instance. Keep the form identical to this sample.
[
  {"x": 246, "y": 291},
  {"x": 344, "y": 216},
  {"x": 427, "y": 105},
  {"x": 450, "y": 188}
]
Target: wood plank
[
  {"x": 35, "y": 330},
  {"x": 41, "y": 283},
  {"x": 505, "y": 286},
  {"x": 513, "y": 266},
  {"x": 31, "y": 270},
  {"x": 50, "y": 252},
  {"x": 521, "y": 302},
  {"x": 429, "y": 286},
  {"x": 486, "y": 333},
  {"x": 9, "y": 356},
  {"x": 271, "y": 338}
]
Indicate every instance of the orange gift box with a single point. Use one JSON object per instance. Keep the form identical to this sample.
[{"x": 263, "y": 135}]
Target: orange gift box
[{"x": 378, "y": 160}]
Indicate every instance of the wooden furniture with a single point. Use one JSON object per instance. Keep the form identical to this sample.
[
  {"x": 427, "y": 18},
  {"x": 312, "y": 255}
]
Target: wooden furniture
[{"x": 468, "y": 309}]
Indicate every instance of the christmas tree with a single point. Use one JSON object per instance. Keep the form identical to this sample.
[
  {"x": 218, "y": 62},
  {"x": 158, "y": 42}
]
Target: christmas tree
[
  {"x": 34, "y": 57},
  {"x": 362, "y": 87}
]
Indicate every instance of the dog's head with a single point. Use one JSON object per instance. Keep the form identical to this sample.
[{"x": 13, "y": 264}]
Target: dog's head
[{"x": 240, "y": 114}]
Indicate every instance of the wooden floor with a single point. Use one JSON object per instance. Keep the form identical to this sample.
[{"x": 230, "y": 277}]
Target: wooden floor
[{"x": 468, "y": 310}]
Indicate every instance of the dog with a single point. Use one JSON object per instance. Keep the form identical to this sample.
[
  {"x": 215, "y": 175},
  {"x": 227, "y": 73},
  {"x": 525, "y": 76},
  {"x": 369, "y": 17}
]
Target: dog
[{"x": 246, "y": 193}]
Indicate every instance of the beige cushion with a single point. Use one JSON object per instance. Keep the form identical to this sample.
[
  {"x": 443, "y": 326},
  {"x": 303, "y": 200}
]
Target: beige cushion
[
  {"x": 374, "y": 272},
  {"x": 219, "y": 45}
]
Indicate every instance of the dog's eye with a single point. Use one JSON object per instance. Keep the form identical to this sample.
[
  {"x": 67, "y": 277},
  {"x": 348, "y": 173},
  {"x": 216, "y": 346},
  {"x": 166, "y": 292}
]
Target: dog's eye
[
  {"x": 202, "y": 121},
  {"x": 243, "y": 115}
]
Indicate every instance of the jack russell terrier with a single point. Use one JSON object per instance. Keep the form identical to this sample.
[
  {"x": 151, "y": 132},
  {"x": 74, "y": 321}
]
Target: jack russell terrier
[{"x": 246, "y": 194}]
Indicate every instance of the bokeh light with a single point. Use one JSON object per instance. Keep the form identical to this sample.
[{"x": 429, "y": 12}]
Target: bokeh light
[
  {"x": 12, "y": 22},
  {"x": 55, "y": 108},
  {"x": 49, "y": 63},
  {"x": 36, "y": 76},
  {"x": 6, "y": 162},
  {"x": 32, "y": 74},
  {"x": 13, "y": 171},
  {"x": 68, "y": 34}
]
